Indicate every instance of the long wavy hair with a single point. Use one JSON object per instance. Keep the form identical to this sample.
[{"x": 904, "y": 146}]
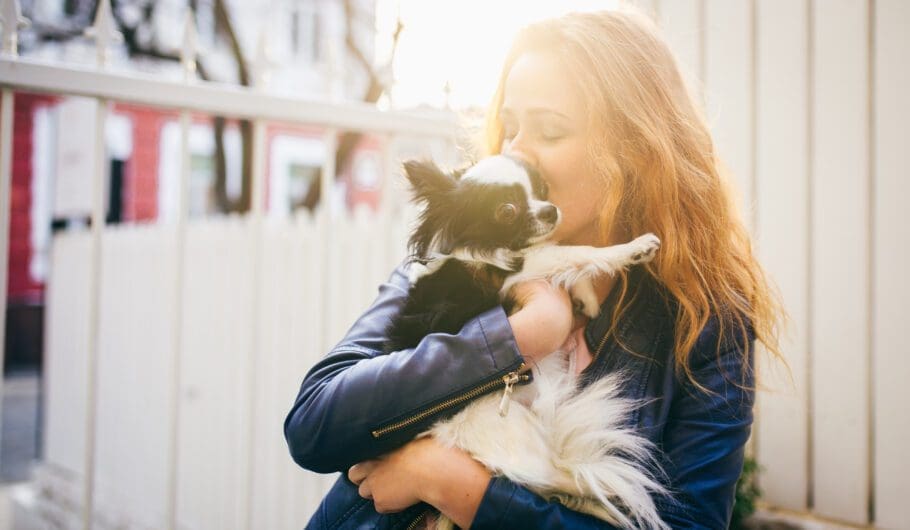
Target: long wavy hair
[{"x": 651, "y": 148}]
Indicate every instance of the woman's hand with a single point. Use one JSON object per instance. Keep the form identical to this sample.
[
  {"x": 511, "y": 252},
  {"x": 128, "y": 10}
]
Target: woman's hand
[
  {"x": 424, "y": 470},
  {"x": 393, "y": 481},
  {"x": 544, "y": 319}
]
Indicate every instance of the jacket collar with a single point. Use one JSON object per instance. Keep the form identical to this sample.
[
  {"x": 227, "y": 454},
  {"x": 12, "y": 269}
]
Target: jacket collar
[{"x": 643, "y": 328}]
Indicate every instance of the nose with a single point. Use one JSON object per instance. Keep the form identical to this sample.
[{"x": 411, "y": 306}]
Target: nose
[
  {"x": 548, "y": 214},
  {"x": 518, "y": 148}
]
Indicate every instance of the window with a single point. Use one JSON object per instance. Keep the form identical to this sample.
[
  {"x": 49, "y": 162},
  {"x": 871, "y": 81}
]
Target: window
[{"x": 306, "y": 32}]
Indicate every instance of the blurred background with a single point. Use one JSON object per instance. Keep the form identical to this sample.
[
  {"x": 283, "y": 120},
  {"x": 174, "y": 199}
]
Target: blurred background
[{"x": 200, "y": 196}]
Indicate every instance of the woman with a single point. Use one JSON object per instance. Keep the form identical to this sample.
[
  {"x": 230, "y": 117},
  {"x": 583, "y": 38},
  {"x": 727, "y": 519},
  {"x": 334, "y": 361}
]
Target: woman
[{"x": 596, "y": 103}]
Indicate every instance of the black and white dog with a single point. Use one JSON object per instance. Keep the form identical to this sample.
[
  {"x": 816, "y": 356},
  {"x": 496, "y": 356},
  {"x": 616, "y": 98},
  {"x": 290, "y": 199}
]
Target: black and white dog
[{"x": 481, "y": 231}]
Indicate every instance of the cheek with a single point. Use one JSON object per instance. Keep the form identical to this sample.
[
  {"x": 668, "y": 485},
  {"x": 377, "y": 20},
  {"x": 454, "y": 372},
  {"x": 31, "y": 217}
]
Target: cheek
[
  {"x": 576, "y": 193},
  {"x": 579, "y": 207},
  {"x": 567, "y": 170},
  {"x": 574, "y": 188}
]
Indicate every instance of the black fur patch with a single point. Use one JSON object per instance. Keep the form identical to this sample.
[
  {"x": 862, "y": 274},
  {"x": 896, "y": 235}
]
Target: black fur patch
[
  {"x": 442, "y": 302},
  {"x": 466, "y": 215},
  {"x": 461, "y": 214}
]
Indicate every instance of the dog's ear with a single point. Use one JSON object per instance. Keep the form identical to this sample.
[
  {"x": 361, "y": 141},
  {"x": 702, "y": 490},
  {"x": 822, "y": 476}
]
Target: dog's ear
[{"x": 427, "y": 179}]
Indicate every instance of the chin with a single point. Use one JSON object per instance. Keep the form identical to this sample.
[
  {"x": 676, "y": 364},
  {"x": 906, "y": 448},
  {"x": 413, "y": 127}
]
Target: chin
[{"x": 481, "y": 231}]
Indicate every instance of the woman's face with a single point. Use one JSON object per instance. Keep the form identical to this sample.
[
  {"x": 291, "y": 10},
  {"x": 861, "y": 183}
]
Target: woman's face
[{"x": 545, "y": 123}]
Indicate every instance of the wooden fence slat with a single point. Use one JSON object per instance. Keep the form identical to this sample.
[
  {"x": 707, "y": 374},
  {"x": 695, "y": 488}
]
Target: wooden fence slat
[
  {"x": 268, "y": 491},
  {"x": 681, "y": 21},
  {"x": 782, "y": 201},
  {"x": 728, "y": 84},
  {"x": 840, "y": 272},
  {"x": 133, "y": 373},
  {"x": 65, "y": 373},
  {"x": 216, "y": 338},
  {"x": 891, "y": 258},
  {"x": 649, "y": 7}
]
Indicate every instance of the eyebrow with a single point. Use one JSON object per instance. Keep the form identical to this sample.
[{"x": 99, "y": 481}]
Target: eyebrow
[{"x": 536, "y": 111}]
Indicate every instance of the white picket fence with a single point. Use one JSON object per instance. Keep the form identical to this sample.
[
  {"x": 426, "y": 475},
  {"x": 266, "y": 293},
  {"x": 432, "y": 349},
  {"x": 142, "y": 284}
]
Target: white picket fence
[
  {"x": 247, "y": 339},
  {"x": 807, "y": 100}
]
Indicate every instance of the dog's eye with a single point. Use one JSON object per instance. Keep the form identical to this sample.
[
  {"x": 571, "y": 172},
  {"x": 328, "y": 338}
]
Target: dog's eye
[{"x": 506, "y": 213}]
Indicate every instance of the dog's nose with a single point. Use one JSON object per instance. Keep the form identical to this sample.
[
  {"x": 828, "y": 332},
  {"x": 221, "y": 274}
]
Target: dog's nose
[{"x": 548, "y": 214}]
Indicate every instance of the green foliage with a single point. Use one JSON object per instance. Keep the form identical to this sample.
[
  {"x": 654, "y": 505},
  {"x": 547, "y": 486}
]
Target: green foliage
[{"x": 747, "y": 492}]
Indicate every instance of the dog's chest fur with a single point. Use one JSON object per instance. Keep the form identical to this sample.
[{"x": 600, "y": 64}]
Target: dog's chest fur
[
  {"x": 444, "y": 300},
  {"x": 564, "y": 444}
]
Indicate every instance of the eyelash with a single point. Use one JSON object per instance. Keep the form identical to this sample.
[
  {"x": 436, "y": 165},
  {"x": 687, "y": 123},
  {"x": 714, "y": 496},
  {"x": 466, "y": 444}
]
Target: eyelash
[{"x": 550, "y": 138}]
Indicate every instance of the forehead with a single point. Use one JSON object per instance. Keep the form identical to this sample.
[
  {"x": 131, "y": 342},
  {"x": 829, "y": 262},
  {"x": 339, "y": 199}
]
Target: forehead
[
  {"x": 538, "y": 82},
  {"x": 498, "y": 170}
]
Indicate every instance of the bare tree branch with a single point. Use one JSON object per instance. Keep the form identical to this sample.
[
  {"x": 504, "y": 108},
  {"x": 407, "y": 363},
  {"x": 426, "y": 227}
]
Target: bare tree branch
[
  {"x": 223, "y": 20},
  {"x": 222, "y": 201},
  {"x": 348, "y": 141}
]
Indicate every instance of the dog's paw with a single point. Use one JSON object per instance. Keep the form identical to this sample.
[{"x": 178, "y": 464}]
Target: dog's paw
[
  {"x": 590, "y": 310},
  {"x": 585, "y": 301},
  {"x": 644, "y": 248}
]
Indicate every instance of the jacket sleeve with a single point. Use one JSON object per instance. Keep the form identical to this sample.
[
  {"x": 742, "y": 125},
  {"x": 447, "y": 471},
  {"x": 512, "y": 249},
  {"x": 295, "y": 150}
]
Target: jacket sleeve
[
  {"x": 356, "y": 390},
  {"x": 703, "y": 450}
]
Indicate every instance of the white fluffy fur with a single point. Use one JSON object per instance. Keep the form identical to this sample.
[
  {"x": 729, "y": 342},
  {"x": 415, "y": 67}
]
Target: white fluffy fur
[
  {"x": 574, "y": 267},
  {"x": 571, "y": 267},
  {"x": 499, "y": 170},
  {"x": 563, "y": 444}
]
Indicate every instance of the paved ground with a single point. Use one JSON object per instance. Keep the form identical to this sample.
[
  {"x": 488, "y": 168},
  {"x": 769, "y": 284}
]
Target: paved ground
[
  {"x": 5, "y": 515},
  {"x": 20, "y": 434}
]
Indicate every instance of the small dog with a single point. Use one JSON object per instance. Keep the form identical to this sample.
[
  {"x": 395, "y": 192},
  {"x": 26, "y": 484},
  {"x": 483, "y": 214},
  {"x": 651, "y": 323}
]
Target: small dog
[{"x": 482, "y": 231}]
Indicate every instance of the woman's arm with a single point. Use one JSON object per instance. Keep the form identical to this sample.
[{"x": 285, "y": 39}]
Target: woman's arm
[
  {"x": 357, "y": 404},
  {"x": 706, "y": 433}
]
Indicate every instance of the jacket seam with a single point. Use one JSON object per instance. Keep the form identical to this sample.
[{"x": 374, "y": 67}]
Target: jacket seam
[
  {"x": 643, "y": 381},
  {"x": 486, "y": 343},
  {"x": 349, "y": 513},
  {"x": 505, "y": 510}
]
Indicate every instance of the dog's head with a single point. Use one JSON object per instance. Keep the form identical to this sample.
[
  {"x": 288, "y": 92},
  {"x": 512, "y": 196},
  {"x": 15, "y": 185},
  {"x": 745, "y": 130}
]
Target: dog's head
[{"x": 498, "y": 203}]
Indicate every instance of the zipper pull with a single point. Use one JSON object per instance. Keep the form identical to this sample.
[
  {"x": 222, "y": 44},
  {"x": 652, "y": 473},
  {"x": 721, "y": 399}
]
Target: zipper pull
[{"x": 509, "y": 379}]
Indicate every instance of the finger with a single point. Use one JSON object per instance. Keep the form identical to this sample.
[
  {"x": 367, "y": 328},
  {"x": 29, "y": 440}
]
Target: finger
[
  {"x": 360, "y": 471},
  {"x": 364, "y": 490}
]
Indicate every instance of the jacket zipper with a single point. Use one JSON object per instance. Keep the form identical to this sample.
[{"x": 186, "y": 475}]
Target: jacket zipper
[
  {"x": 600, "y": 347},
  {"x": 506, "y": 381},
  {"x": 418, "y": 519}
]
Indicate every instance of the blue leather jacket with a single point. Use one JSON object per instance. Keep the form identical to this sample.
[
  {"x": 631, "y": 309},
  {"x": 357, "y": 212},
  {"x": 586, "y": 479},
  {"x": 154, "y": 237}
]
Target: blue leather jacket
[{"x": 357, "y": 404}]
